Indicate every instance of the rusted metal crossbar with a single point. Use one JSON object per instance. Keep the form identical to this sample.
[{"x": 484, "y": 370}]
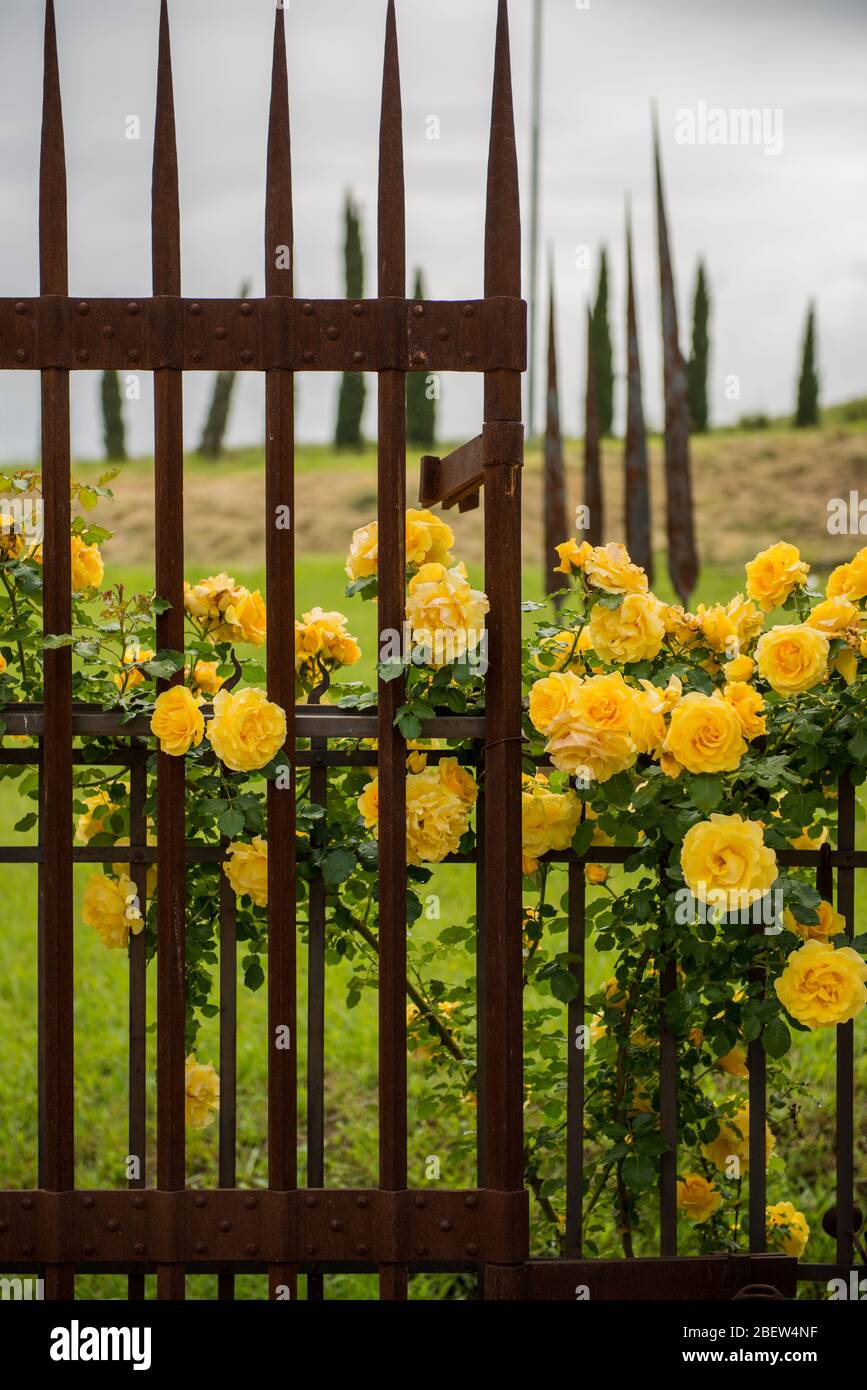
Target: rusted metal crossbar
[{"x": 391, "y": 1230}]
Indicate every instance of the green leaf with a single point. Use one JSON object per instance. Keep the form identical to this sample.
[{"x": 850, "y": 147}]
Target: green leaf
[
  {"x": 390, "y": 670},
  {"x": 638, "y": 1171},
  {"x": 409, "y": 725},
  {"x": 705, "y": 791},
  {"x": 231, "y": 823},
  {"x": 776, "y": 1039},
  {"x": 583, "y": 838},
  {"x": 160, "y": 605},
  {"x": 858, "y": 746},
  {"x": 337, "y": 866},
  {"x": 27, "y": 822},
  {"x": 564, "y": 986},
  {"x": 55, "y": 640}
]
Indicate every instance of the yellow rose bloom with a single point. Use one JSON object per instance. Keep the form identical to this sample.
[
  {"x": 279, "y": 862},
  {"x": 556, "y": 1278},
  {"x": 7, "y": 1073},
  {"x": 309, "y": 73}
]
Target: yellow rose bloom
[
  {"x": 428, "y": 539},
  {"x": 726, "y": 862},
  {"x": 705, "y": 734},
  {"x": 774, "y": 573},
  {"x": 605, "y": 702},
  {"x": 111, "y": 908},
  {"x": 681, "y": 626},
  {"x": 734, "y": 1063},
  {"x": 596, "y": 873},
  {"x": 849, "y": 580},
  {"x": 247, "y": 870},
  {"x": 247, "y": 614},
  {"x": 733, "y": 1141},
  {"x": 632, "y": 632},
  {"x": 207, "y": 600},
  {"x": 727, "y": 628},
  {"x": 446, "y": 615},
  {"x": 565, "y": 651},
  {"x": 830, "y": 923},
  {"x": 740, "y": 669},
  {"x": 792, "y": 658},
  {"x": 650, "y": 705},
  {"x": 833, "y": 616},
  {"x": 749, "y": 707},
  {"x": 786, "y": 1229},
  {"x": 697, "y": 1198},
  {"x": 100, "y": 808},
  {"x": 129, "y": 679},
  {"x": 363, "y": 558},
  {"x": 548, "y": 820},
  {"x": 572, "y": 556},
  {"x": 807, "y": 840},
  {"x": 202, "y": 1093},
  {"x": 552, "y": 695},
  {"x": 846, "y": 664},
  {"x": 609, "y": 567},
  {"x": 368, "y": 804},
  {"x": 87, "y": 567},
  {"x": 439, "y": 803},
  {"x": 205, "y": 677},
  {"x": 821, "y": 987},
  {"x": 595, "y": 754},
  {"x": 3, "y": 665},
  {"x": 177, "y": 721},
  {"x": 324, "y": 636},
  {"x": 247, "y": 729}
]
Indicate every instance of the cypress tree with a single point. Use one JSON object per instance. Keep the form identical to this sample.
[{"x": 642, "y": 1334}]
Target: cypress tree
[
  {"x": 113, "y": 431},
  {"x": 350, "y": 405},
  {"x": 603, "y": 355},
  {"x": 699, "y": 359},
  {"x": 421, "y": 407},
  {"x": 808, "y": 385},
  {"x": 217, "y": 421}
]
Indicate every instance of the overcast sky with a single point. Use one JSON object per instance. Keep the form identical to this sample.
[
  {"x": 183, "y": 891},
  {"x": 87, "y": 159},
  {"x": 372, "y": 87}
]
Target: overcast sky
[{"x": 774, "y": 229}]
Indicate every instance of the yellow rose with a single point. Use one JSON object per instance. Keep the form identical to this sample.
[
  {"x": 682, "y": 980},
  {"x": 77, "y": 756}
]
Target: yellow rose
[
  {"x": 605, "y": 702},
  {"x": 596, "y": 873},
  {"x": 446, "y": 615},
  {"x": 563, "y": 651},
  {"x": 705, "y": 734},
  {"x": 363, "y": 558},
  {"x": 247, "y": 730},
  {"x": 792, "y": 658},
  {"x": 368, "y": 804},
  {"x": 552, "y": 695},
  {"x": 650, "y": 705},
  {"x": 807, "y": 840},
  {"x": 821, "y": 987},
  {"x": 609, "y": 567},
  {"x": 324, "y": 636},
  {"x": 247, "y": 870},
  {"x": 428, "y": 538},
  {"x": 683, "y": 627},
  {"x": 589, "y": 752},
  {"x": 787, "y": 1229},
  {"x": 632, "y": 632},
  {"x": 728, "y": 628},
  {"x": 87, "y": 566},
  {"x": 846, "y": 663},
  {"x": 697, "y": 1198},
  {"x": 733, "y": 1141},
  {"x": 572, "y": 556},
  {"x": 205, "y": 677},
  {"x": 548, "y": 820},
  {"x": 202, "y": 1093},
  {"x": 774, "y": 573},
  {"x": 128, "y": 679},
  {"x": 207, "y": 600},
  {"x": 3, "y": 665},
  {"x": 830, "y": 923},
  {"x": 458, "y": 781},
  {"x": 247, "y": 614},
  {"x": 100, "y": 808},
  {"x": 833, "y": 616},
  {"x": 11, "y": 535},
  {"x": 439, "y": 803},
  {"x": 734, "y": 1063},
  {"x": 177, "y": 721},
  {"x": 111, "y": 908},
  {"x": 741, "y": 669},
  {"x": 849, "y": 580},
  {"x": 725, "y": 862},
  {"x": 749, "y": 707}
]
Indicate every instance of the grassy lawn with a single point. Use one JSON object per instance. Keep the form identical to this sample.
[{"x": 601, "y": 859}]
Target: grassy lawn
[{"x": 351, "y": 1060}]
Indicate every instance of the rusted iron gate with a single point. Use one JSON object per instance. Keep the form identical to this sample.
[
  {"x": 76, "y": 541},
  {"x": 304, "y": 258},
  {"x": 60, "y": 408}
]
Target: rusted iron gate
[{"x": 390, "y": 1229}]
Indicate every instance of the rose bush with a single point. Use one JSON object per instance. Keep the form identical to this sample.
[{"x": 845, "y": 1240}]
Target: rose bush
[{"x": 703, "y": 743}]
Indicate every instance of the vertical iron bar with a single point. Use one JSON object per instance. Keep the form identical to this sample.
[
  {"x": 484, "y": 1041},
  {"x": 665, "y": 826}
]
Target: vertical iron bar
[
  {"x": 169, "y": 527},
  {"x": 228, "y": 1054},
  {"x": 481, "y": 937},
  {"x": 576, "y": 1055},
  {"x": 316, "y": 1016},
  {"x": 667, "y": 1115},
  {"x": 391, "y": 511},
  {"x": 138, "y": 836},
  {"x": 503, "y": 1069},
  {"x": 280, "y": 594},
  {"x": 845, "y": 1080},
  {"x": 56, "y": 980},
  {"x": 757, "y": 1067}
]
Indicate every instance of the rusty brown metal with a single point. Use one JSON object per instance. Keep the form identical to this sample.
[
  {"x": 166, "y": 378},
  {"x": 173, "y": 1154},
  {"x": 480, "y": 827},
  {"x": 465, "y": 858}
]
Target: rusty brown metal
[
  {"x": 576, "y": 1055},
  {"x": 845, "y": 1051},
  {"x": 258, "y": 335},
  {"x": 138, "y": 992},
  {"x": 636, "y": 474},
  {"x": 57, "y": 1155},
  {"x": 697, "y": 1278},
  {"x": 593, "y": 495},
  {"x": 454, "y": 480},
  {"x": 680, "y": 518},
  {"x": 556, "y": 528}
]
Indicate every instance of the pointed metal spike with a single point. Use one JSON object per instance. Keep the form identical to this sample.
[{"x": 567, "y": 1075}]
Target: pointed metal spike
[
  {"x": 279, "y": 223},
  {"x": 593, "y": 499},
  {"x": 503, "y": 214},
  {"x": 391, "y": 235},
  {"x": 53, "y": 253},
  {"x": 636, "y": 473},
  {"x": 557, "y": 527},
  {"x": 165, "y": 204}
]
